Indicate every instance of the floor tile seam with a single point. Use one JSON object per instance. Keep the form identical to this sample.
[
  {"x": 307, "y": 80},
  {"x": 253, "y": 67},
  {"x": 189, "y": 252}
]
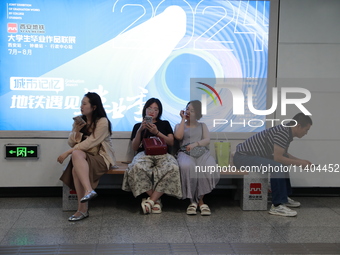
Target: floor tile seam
[
  {"x": 101, "y": 226},
  {"x": 184, "y": 217},
  {"x": 4, "y": 237},
  {"x": 171, "y": 250},
  {"x": 58, "y": 249},
  {"x": 197, "y": 248},
  {"x": 261, "y": 213},
  {"x": 270, "y": 223},
  {"x": 337, "y": 212},
  {"x": 276, "y": 229},
  {"x": 11, "y": 228},
  {"x": 188, "y": 230},
  {"x": 266, "y": 219}
]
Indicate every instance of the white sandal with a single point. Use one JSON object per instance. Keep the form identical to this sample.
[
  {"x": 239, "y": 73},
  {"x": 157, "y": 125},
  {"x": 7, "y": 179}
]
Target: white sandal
[
  {"x": 192, "y": 208},
  {"x": 205, "y": 210},
  {"x": 147, "y": 203},
  {"x": 158, "y": 206}
]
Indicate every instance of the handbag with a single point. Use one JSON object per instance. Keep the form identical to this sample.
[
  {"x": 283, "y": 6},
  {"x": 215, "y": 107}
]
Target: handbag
[
  {"x": 196, "y": 152},
  {"x": 154, "y": 146}
]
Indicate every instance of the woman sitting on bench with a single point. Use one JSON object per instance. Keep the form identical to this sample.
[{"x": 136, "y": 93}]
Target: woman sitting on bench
[
  {"x": 194, "y": 141},
  {"x": 92, "y": 152},
  {"x": 153, "y": 174}
]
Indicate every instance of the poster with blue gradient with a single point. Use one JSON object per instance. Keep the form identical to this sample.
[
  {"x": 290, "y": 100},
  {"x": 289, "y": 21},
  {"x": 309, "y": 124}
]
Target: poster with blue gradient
[{"x": 53, "y": 52}]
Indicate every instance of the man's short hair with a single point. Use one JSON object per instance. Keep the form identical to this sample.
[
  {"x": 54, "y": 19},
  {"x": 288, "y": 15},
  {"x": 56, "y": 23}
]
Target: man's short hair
[{"x": 302, "y": 119}]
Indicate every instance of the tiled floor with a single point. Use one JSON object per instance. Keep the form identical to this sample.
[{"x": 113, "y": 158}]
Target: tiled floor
[{"x": 116, "y": 226}]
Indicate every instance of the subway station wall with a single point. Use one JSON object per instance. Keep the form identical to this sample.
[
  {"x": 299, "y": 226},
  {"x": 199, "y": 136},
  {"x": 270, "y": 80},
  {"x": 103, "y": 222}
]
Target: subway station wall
[
  {"x": 309, "y": 57},
  {"x": 308, "y": 54}
]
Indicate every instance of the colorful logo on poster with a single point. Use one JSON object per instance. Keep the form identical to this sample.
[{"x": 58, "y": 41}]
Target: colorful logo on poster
[
  {"x": 213, "y": 95},
  {"x": 209, "y": 93},
  {"x": 12, "y": 28}
]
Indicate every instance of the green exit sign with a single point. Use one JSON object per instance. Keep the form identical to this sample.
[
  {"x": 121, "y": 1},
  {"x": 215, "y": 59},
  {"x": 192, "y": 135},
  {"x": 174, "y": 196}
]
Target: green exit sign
[{"x": 14, "y": 151}]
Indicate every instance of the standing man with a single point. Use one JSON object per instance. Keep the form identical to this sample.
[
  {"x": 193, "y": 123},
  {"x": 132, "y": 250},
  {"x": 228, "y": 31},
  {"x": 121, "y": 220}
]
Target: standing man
[{"x": 270, "y": 148}]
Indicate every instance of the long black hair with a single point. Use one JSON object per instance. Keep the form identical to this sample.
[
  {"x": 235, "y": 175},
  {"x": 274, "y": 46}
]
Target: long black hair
[
  {"x": 150, "y": 102},
  {"x": 98, "y": 112}
]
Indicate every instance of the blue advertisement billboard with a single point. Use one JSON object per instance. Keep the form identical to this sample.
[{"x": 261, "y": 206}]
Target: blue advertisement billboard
[{"x": 53, "y": 52}]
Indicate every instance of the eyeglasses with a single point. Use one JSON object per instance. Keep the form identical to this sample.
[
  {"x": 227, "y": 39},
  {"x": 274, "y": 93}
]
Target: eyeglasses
[{"x": 152, "y": 109}]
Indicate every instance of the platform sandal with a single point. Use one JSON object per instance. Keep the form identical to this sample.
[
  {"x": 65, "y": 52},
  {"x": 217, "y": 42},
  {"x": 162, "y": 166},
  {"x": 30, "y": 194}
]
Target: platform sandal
[
  {"x": 205, "y": 210},
  {"x": 158, "y": 205},
  {"x": 192, "y": 209},
  {"x": 147, "y": 203}
]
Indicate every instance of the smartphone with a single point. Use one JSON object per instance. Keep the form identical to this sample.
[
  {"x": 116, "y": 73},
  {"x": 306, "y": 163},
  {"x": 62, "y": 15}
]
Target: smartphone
[
  {"x": 79, "y": 120},
  {"x": 148, "y": 119}
]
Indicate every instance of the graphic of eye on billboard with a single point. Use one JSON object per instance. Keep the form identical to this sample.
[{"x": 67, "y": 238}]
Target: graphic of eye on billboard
[{"x": 53, "y": 52}]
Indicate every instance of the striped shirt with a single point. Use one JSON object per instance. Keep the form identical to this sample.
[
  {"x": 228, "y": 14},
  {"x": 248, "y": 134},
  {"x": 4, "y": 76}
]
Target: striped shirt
[{"x": 262, "y": 143}]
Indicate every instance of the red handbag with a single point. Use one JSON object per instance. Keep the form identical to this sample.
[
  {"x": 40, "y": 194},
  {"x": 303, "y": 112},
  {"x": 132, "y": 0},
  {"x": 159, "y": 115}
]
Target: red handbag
[{"x": 154, "y": 146}]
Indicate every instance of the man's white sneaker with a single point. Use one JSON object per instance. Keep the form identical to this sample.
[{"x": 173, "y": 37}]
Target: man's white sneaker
[
  {"x": 292, "y": 203},
  {"x": 282, "y": 211}
]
